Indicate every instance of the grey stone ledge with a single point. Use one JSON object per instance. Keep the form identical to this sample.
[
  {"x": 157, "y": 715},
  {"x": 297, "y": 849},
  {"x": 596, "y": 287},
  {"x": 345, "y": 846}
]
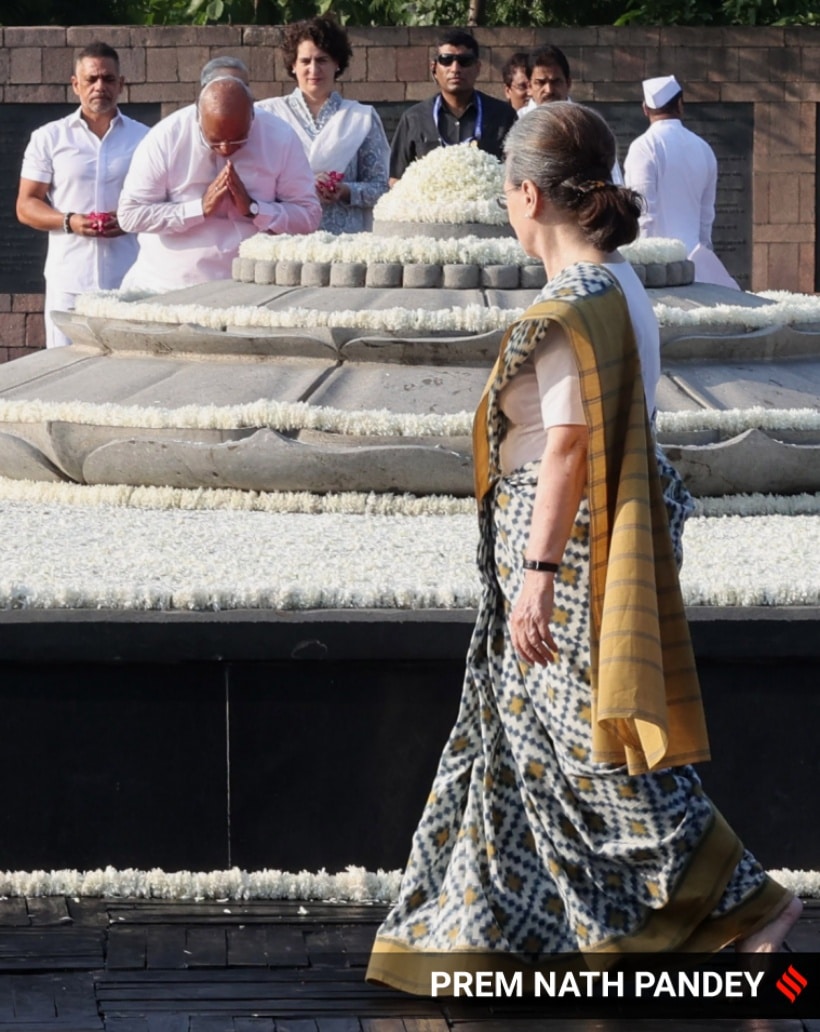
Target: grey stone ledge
[
  {"x": 316, "y": 274},
  {"x": 416, "y": 275},
  {"x": 288, "y": 274},
  {"x": 533, "y": 277},
  {"x": 348, "y": 274},
  {"x": 655, "y": 274},
  {"x": 247, "y": 270},
  {"x": 461, "y": 277},
  {"x": 421, "y": 275},
  {"x": 265, "y": 272},
  {"x": 384, "y": 274},
  {"x": 500, "y": 277}
]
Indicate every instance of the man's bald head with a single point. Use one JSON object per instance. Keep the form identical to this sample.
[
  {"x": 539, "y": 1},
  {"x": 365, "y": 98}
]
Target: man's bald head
[
  {"x": 225, "y": 93},
  {"x": 225, "y": 114}
]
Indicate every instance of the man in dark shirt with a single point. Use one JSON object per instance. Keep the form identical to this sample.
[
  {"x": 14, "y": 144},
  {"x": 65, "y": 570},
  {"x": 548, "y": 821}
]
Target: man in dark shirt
[{"x": 457, "y": 114}]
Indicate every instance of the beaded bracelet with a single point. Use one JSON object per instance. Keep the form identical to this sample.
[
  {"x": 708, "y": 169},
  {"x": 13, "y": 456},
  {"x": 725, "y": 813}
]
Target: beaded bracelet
[
  {"x": 67, "y": 222},
  {"x": 542, "y": 567}
]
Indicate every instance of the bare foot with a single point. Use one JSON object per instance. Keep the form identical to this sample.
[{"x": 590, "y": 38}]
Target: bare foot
[{"x": 770, "y": 938}]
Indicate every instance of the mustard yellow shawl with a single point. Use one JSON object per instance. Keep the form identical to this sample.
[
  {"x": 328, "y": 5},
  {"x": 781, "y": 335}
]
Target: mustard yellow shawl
[{"x": 647, "y": 709}]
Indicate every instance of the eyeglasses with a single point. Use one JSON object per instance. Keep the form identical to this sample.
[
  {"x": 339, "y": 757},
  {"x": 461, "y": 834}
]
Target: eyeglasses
[
  {"x": 462, "y": 60},
  {"x": 222, "y": 143},
  {"x": 519, "y": 87},
  {"x": 503, "y": 202}
]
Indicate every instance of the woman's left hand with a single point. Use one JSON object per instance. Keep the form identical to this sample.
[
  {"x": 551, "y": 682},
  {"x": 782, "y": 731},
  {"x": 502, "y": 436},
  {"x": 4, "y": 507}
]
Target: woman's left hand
[
  {"x": 530, "y": 619},
  {"x": 331, "y": 188}
]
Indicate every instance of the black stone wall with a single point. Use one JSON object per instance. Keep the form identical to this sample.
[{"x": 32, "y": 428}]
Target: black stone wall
[{"x": 202, "y": 741}]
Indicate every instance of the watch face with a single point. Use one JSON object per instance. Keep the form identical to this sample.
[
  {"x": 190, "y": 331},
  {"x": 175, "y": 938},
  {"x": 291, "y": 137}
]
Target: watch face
[{"x": 254, "y": 208}]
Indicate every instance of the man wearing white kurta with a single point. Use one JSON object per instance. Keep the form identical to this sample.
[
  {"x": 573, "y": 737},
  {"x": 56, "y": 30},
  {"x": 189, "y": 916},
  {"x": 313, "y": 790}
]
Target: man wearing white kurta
[
  {"x": 74, "y": 169},
  {"x": 205, "y": 179},
  {"x": 675, "y": 171}
]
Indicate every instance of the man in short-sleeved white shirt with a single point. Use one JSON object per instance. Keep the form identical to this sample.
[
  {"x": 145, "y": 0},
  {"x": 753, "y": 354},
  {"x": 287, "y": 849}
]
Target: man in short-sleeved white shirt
[
  {"x": 74, "y": 169},
  {"x": 206, "y": 178}
]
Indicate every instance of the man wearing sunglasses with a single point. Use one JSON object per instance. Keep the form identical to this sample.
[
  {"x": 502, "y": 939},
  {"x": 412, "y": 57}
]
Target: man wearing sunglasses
[
  {"x": 206, "y": 178},
  {"x": 459, "y": 113}
]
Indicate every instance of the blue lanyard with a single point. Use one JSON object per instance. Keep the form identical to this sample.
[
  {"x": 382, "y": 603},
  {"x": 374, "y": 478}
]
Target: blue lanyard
[{"x": 479, "y": 120}]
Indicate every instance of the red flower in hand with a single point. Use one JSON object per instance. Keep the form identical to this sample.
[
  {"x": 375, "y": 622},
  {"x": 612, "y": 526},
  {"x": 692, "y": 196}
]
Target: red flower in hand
[{"x": 100, "y": 220}]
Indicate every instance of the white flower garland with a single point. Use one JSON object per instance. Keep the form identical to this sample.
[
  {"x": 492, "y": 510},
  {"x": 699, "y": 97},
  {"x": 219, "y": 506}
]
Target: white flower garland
[
  {"x": 234, "y": 559},
  {"x": 300, "y": 415},
  {"x": 654, "y": 250},
  {"x": 786, "y": 310},
  {"x": 369, "y": 249},
  {"x": 799, "y": 310},
  {"x": 470, "y": 250},
  {"x": 751, "y": 561},
  {"x": 278, "y": 415},
  {"x": 801, "y": 883},
  {"x": 759, "y": 505},
  {"x": 736, "y": 421},
  {"x": 125, "y": 496},
  {"x": 354, "y": 885},
  {"x": 463, "y": 319},
  {"x": 450, "y": 184},
  {"x": 181, "y": 559}
]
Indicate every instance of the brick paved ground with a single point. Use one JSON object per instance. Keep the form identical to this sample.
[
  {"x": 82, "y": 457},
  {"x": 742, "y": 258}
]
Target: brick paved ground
[{"x": 123, "y": 966}]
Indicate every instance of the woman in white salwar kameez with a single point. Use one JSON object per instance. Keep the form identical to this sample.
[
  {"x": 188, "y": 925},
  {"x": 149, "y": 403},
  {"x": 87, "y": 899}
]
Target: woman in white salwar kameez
[{"x": 344, "y": 140}]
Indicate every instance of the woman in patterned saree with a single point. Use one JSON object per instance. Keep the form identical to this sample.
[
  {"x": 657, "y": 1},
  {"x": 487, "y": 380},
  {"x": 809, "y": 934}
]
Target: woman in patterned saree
[{"x": 565, "y": 816}]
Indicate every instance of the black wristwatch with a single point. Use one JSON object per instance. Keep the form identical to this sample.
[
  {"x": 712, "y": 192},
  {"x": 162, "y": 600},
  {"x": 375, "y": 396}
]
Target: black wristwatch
[{"x": 253, "y": 210}]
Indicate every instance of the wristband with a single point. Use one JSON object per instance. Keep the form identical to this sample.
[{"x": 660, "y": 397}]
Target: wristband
[
  {"x": 67, "y": 222},
  {"x": 541, "y": 567}
]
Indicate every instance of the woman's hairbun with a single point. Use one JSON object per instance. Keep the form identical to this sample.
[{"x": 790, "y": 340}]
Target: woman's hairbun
[{"x": 568, "y": 151}]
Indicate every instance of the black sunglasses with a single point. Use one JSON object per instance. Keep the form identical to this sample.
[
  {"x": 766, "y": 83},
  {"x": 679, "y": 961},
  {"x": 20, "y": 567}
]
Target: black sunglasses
[{"x": 463, "y": 60}]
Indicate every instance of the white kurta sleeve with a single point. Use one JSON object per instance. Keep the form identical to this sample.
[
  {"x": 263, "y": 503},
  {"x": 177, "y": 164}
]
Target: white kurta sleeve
[
  {"x": 144, "y": 206},
  {"x": 641, "y": 174},
  {"x": 707, "y": 208},
  {"x": 296, "y": 208}
]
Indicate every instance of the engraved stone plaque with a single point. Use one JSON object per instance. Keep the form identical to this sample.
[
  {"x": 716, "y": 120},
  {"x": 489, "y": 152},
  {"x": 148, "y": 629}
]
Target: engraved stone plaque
[{"x": 390, "y": 112}]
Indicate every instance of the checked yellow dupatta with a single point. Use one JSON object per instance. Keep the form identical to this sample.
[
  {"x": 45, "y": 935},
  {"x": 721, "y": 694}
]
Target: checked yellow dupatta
[{"x": 647, "y": 709}]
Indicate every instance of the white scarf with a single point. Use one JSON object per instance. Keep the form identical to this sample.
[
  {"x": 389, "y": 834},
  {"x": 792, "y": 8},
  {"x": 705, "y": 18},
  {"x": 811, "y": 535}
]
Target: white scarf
[{"x": 337, "y": 142}]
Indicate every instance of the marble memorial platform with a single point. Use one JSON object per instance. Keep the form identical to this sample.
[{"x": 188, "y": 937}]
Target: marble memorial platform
[{"x": 139, "y": 365}]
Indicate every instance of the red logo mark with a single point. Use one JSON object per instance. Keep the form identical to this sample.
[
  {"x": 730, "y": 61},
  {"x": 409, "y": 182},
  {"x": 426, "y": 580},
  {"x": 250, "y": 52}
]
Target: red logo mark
[{"x": 791, "y": 983}]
